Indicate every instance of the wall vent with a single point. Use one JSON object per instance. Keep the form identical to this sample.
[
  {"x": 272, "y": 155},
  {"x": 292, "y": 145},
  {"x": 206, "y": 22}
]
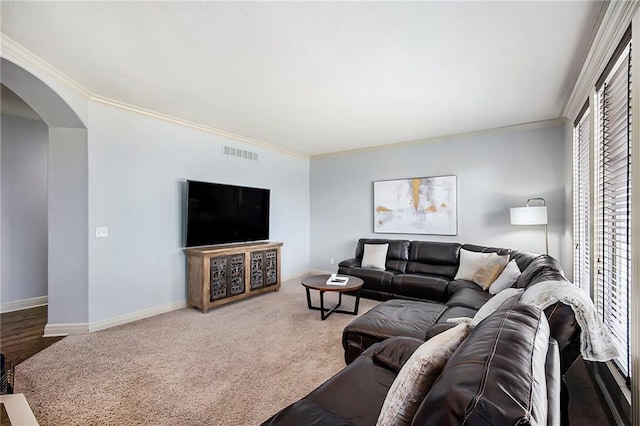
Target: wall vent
[{"x": 230, "y": 151}]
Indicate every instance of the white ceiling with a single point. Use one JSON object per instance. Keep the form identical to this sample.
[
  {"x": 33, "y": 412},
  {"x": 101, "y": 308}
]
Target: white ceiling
[{"x": 319, "y": 77}]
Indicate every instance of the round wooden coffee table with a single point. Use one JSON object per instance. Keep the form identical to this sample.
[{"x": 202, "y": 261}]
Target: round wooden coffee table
[{"x": 319, "y": 282}]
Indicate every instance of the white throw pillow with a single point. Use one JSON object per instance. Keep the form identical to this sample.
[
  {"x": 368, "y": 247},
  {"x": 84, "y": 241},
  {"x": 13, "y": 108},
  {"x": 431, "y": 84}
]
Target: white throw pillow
[
  {"x": 417, "y": 375},
  {"x": 494, "y": 303},
  {"x": 480, "y": 268},
  {"x": 509, "y": 275},
  {"x": 375, "y": 256}
]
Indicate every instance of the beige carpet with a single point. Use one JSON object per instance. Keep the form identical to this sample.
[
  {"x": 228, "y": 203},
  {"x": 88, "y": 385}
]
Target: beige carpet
[{"x": 236, "y": 365}]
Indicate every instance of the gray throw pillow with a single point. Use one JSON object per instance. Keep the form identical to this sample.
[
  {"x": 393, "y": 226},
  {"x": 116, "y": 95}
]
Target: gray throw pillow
[
  {"x": 417, "y": 375},
  {"x": 506, "y": 279}
]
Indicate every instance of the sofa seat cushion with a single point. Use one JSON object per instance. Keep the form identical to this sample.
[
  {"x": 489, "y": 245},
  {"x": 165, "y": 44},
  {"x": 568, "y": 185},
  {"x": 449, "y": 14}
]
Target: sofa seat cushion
[
  {"x": 306, "y": 412},
  {"x": 357, "y": 392},
  {"x": 394, "y": 317},
  {"x": 442, "y": 325},
  {"x": 374, "y": 279},
  {"x": 395, "y": 351},
  {"x": 509, "y": 295},
  {"x": 457, "y": 312},
  {"x": 456, "y": 285},
  {"x": 425, "y": 287},
  {"x": 498, "y": 372},
  {"x": 469, "y": 298}
]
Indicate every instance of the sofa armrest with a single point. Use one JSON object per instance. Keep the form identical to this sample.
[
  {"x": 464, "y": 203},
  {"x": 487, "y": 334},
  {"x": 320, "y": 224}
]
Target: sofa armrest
[
  {"x": 350, "y": 263},
  {"x": 306, "y": 412},
  {"x": 393, "y": 352},
  {"x": 566, "y": 331}
]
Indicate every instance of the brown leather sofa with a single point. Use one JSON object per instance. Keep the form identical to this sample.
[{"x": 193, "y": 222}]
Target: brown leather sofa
[
  {"x": 506, "y": 372},
  {"x": 420, "y": 293},
  {"x": 423, "y": 271}
]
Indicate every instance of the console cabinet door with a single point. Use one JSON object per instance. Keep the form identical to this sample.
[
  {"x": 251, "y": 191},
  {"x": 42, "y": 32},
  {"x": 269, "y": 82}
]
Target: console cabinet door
[
  {"x": 271, "y": 267},
  {"x": 257, "y": 270},
  {"x": 218, "y": 278},
  {"x": 264, "y": 269},
  {"x": 227, "y": 276},
  {"x": 236, "y": 274}
]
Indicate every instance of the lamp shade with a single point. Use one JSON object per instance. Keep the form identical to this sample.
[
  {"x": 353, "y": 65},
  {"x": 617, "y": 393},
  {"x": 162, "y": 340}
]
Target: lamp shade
[{"x": 536, "y": 215}]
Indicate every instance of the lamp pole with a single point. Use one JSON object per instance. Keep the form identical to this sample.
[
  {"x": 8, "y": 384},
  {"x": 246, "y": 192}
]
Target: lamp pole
[{"x": 546, "y": 226}]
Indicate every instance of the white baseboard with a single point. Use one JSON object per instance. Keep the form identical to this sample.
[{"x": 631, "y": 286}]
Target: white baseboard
[
  {"x": 300, "y": 275},
  {"x": 135, "y": 316},
  {"x": 321, "y": 272},
  {"x": 17, "y": 305},
  {"x": 51, "y": 330},
  {"x": 55, "y": 330}
]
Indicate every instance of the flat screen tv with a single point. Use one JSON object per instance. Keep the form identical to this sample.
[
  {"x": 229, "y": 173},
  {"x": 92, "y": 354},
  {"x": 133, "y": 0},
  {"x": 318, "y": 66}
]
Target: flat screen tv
[{"x": 219, "y": 214}]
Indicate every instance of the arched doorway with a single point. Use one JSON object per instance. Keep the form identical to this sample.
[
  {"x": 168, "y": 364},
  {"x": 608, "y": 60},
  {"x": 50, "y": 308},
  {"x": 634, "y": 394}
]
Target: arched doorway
[{"x": 67, "y": 193}]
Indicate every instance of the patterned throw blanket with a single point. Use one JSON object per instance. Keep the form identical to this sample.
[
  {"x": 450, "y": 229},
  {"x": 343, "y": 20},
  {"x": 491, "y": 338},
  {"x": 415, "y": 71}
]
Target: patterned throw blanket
[{"x": 596, "y": 342}]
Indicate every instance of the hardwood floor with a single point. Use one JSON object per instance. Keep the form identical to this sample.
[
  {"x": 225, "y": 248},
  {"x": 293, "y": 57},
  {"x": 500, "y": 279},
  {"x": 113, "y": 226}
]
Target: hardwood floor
[
  {"x": 21, "y": 333},
  {"x": 21, "y": 337}
]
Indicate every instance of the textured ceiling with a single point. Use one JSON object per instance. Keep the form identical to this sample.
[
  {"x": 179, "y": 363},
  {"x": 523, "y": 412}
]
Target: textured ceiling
[{"x": 319, "y": 77}]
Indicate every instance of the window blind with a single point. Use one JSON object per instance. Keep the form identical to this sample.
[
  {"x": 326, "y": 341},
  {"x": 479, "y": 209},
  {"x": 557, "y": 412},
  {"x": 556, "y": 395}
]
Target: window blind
[
  {"x": 581, "y": 200},
  {"x": 614, "y": 203}
]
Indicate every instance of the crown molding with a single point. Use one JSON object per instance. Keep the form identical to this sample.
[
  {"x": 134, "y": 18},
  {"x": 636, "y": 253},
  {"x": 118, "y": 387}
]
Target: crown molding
[
  {"x": 615, "y": 22},
  {"x": 496, "y": 130},
  {"x": 193, "y": 125},
  {"x": 27, "y": 59}
]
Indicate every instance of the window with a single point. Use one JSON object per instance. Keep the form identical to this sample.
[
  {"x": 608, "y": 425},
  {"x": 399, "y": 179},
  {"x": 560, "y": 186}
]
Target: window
[
  {"x": 581, "y": 200},
  {"x": 613, "y": 199}
]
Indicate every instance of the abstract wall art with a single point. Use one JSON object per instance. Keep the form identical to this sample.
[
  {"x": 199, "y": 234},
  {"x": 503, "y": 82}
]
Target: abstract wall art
[{"x": 426, "y": 205}]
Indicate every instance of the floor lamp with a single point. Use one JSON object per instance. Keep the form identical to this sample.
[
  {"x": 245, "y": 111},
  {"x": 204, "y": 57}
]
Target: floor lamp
[{"x": 532, "y": 215}]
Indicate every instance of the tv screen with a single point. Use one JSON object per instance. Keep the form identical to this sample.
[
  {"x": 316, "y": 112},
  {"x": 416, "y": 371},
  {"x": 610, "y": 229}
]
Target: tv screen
[{"x": 218, "y": 214}]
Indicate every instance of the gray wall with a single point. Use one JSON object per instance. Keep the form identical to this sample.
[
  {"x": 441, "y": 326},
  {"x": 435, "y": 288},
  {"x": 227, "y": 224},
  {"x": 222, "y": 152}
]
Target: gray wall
[
  {"x": 495, "y": 172},
  {"x": 24, "y": 208},
  {"x": 68, "y": 241},
  {"x": 138, "y": 166}
]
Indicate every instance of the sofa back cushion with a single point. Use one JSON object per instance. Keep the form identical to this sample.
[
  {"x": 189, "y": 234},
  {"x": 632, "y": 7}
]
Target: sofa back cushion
[
  {"x": 426, "y": 257},
  {"x": 523, "y": 258},
  {"x": 496, "y": 376},
  {"x": 397, "y": 253},
  {"x": 482, "y": 249},
  {"x": 538, "y": 265}
]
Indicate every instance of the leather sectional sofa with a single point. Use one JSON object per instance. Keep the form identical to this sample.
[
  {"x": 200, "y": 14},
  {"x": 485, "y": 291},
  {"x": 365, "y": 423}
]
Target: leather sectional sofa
[
  {"x": 420, "y": 292},
  {"x": 419, "y": 271},
  {"x": 506, "y": 372}
]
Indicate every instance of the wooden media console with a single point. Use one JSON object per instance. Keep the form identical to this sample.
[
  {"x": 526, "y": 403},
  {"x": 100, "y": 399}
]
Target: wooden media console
[{"x": 222, "y": 274}]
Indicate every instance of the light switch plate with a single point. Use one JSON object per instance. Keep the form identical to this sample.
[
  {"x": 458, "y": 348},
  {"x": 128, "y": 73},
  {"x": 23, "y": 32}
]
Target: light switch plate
[{"x": 102, "y": 232}]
